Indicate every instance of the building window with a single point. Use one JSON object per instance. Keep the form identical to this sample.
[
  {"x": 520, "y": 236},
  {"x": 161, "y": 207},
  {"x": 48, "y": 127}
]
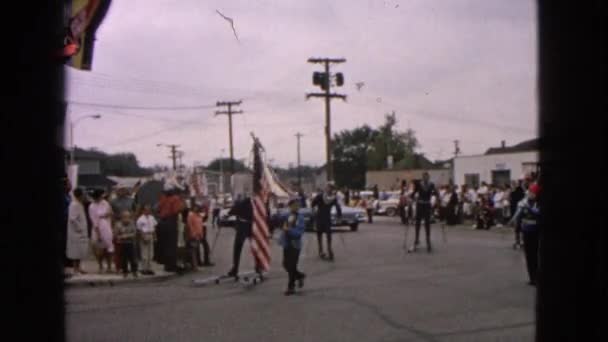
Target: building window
[
  {"x": 471, "y": 180},
  {"x": 501, "y": 177}
]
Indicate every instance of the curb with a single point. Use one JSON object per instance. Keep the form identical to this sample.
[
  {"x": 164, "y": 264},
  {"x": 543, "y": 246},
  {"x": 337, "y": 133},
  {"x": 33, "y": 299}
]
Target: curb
[{"x": 69, "y": 283}]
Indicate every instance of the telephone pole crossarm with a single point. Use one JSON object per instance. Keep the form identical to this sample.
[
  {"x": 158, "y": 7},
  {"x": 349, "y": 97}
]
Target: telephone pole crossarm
[
  {"x": 326, "y": 60},
  {"x": 333, "y": 96}
]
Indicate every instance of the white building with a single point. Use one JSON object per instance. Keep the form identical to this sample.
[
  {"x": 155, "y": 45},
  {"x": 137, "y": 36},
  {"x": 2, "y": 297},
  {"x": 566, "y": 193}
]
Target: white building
[{"x": 499, "y": 165}]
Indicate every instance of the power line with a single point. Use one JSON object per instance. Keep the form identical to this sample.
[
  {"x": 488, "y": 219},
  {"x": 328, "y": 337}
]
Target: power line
[{"x": 105, "y": 105}]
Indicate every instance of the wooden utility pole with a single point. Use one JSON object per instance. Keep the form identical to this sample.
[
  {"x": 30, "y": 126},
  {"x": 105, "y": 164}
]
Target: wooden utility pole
[
  {"x": 298, "y": 136},
  {"x": 173, "y": 155},
  {"x": 324, "y": 80},
  {"x": 229, "y": 112}
]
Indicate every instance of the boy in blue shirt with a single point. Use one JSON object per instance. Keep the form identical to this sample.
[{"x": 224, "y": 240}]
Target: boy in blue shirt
[{"x": 291, "y": 241}]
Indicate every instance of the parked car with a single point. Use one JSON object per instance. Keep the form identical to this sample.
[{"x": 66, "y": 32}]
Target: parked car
[{"x": 389, "y": 207}]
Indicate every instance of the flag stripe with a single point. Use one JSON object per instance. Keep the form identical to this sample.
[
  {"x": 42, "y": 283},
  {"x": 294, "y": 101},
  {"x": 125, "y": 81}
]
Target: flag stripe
[{"x": 260, "y": 246}]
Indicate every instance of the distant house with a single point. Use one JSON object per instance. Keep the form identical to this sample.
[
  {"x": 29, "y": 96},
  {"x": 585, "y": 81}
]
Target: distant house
[
  {"x": 440, "y": 173},
  {"x": 89, "y": 170},
  {"x": 499, "y": 165}
]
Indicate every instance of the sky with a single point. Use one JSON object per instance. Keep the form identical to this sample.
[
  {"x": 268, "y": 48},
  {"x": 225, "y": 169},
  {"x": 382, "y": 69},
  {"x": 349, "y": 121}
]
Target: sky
[{"x": 451, "y": 70}]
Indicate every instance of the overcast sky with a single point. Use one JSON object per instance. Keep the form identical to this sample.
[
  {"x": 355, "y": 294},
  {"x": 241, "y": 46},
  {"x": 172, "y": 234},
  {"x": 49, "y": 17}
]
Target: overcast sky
[{"x": 451, "y": 69}]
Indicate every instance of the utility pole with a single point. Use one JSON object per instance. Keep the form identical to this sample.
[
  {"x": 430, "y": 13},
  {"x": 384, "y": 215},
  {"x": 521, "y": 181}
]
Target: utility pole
[
  {"x": 229, "y": 112},
  {"x": 173, "y": 154},
  {"x": 323, "y": 79},
  {"x": 456, "y": 148},
  {"x": 298, "y": 136}
]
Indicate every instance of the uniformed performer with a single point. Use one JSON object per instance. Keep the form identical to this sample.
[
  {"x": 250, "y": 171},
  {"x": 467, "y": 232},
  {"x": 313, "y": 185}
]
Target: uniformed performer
[
  {"x": 528, "y": 213},
  {"x": 323, "y": 203},
  {"x": 423, "y": 191},
  {"x": 243, "y": 211}
]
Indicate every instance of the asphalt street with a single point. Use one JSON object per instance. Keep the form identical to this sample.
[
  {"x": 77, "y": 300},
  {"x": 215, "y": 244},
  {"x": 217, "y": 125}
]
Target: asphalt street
[{"x": 473, "y": 287}]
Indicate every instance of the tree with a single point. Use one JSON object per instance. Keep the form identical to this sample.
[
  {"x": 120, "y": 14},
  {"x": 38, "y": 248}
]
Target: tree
[
  {"x": 364, "y": 148},
  {"x": 350, "y": 151},
  {"x": 389, "y": 141},
  {"x": 219, "y": 163}
]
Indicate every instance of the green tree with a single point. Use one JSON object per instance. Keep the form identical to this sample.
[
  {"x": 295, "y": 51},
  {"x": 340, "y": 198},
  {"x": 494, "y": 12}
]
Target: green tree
[
  {"x": 350, "y": 151},
  {"x": 219, "y": 163},
  {"x": 364, "y": 148},
  {"x": 389, "y": 141}
]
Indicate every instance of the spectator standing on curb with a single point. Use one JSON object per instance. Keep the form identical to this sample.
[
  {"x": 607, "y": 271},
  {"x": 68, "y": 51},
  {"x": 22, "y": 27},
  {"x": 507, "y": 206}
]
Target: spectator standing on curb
[
  {"x": 204, "y": 242},
  {"x": 77, "y": 239},
  {"x": 170, "y": 206},
  {"x": 67, "y": 187},
  {"x": 122, "y": 202},
  {"x": 452, "y": 206},
  {"x": 146, "y": 227},
  {"x": 194, "y": 230},
  {"x": 100, "y": 212},
  {"x": 497, "y": 201},
  {"x": 125, "y": 236}
]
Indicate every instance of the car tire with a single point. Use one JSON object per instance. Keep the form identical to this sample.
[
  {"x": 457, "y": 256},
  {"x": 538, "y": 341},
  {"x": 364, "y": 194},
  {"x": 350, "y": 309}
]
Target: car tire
[
  {"x": 391, "y": 212},
  {"x": 354, "y": 227}
]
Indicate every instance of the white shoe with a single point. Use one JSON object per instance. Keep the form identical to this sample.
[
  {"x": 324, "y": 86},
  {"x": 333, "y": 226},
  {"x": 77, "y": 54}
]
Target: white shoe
[{"x": 499, "y": 225}]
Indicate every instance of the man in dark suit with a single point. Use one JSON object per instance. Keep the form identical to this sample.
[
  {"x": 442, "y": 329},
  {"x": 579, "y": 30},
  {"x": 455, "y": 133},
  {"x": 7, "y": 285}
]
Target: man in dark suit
[
  {"x": 243, "y": 210},
  {"x": 423, "y": 191},
  {"x": 322, "y": 205}
]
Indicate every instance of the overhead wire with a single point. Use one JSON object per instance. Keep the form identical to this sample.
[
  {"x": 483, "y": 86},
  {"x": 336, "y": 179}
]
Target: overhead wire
[{"x": 105, "y": 105}]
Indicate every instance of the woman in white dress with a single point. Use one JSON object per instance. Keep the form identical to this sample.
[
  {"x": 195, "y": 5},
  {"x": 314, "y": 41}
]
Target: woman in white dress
[
  {"x": 100, "y": 213},
  {"x": 77, "y": 247}
]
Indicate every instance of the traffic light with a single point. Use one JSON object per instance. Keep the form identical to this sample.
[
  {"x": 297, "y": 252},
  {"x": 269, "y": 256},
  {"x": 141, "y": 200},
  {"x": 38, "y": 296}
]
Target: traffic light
[
  {"x": 320, "y": 79},
  {"x": 339, "y": 79}
]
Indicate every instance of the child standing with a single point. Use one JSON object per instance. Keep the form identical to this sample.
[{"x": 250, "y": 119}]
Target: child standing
[
  {"x": 125, "y": 236},
  {"x": 146, "y": 226},
  {"x": 194, "y": 234},
  {"x": 291, "y": 241}
]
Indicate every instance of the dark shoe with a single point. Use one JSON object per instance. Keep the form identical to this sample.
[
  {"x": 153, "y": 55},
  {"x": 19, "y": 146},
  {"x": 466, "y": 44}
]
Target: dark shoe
[
  {"x": 429, "y": 248},
  {"x": 232, "y": 273},
  {"x": 331, "y": 256},
  {"x": 150, "y": 273},
  {"x": 290, "y": 292},
  {"x": 323, "y": 256}
]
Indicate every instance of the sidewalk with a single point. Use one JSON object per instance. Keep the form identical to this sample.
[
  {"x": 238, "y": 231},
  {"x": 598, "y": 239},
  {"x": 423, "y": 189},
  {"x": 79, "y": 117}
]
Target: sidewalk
[{"x": 94, "y": 278}]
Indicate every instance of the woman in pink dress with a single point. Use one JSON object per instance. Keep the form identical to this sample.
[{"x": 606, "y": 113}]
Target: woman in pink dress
[{"x": 100, "y": 213}]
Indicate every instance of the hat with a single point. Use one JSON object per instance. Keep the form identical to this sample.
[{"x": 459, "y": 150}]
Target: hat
[{"x": 534, "y": 188}]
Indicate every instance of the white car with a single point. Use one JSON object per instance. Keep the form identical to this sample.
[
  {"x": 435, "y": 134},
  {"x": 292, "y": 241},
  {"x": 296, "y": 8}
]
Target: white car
[{"x": 389, "y": 207}]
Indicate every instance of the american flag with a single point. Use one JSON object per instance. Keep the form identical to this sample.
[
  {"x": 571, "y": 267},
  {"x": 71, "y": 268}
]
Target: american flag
[{"x": 260, "y": 245}]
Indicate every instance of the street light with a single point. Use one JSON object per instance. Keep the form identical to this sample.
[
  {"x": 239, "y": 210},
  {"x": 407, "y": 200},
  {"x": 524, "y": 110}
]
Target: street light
[{"x": 72, "y": 125}]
